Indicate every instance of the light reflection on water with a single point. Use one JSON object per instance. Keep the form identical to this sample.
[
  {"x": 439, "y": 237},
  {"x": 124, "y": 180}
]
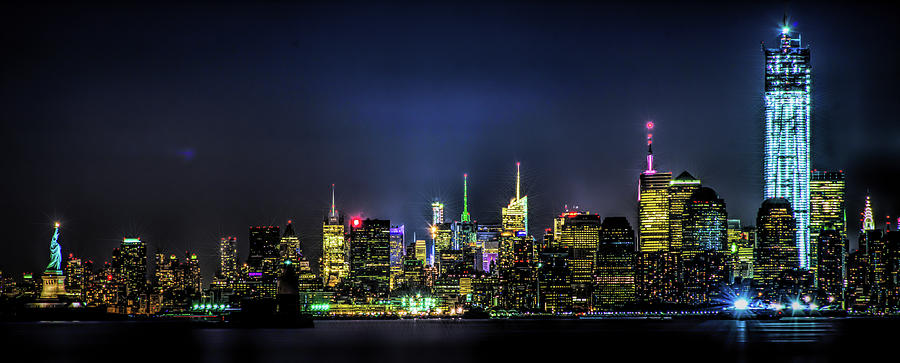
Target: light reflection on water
[
  {"x": 454, "y": 340},
  {"x": 784, "y": 331}
]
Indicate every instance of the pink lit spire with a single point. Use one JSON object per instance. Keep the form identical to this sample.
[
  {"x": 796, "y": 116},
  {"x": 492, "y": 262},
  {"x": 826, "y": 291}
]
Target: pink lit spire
[{"x": 649, "y": 149}]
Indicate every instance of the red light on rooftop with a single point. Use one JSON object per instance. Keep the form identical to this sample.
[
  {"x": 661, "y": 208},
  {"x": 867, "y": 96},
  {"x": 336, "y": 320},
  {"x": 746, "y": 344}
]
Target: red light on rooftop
[
  {"x": 356, "y": 222},
  {"x": 289, "y": 221},
  {"x": 108, "y": 277},
  {"x": 649, "y": 125}
]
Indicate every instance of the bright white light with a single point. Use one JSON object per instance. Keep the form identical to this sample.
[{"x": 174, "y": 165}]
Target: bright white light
[
  {"x": 785, "y": 30},
  {"x": 741, "y": 304},
  {"x": 796, "y": 305},
  {"x": 813, "y": 306}
]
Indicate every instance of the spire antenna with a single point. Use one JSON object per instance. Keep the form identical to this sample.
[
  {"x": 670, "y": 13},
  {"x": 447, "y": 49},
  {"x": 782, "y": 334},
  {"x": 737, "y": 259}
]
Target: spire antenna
[
  {"x": 465, "y": 214},
  {"x": 649, "y": 148},
  {"x": 518, "y": 179},
  {"x": 332, "y": 199}
]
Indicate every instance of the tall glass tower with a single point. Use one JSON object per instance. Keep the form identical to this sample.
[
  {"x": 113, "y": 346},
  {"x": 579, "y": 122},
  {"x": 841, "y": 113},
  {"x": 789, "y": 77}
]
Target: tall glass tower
[{"x": 787, "y": 132}]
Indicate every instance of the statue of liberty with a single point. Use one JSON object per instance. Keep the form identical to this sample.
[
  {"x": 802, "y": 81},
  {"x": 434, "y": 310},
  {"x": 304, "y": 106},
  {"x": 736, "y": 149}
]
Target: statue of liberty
[
  {"x": 55, "y": 255},
  {"x": 54, "y": 282}
]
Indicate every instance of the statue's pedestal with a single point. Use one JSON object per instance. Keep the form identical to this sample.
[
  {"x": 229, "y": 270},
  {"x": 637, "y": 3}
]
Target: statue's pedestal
[{"x": 54, "y": 285}]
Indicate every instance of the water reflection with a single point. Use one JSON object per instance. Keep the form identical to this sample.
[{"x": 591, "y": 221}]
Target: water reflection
[{"x": 457, "y": 341}]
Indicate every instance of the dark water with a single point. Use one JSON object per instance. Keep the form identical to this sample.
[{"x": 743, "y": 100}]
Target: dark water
[{"x": 424, "y": 341}]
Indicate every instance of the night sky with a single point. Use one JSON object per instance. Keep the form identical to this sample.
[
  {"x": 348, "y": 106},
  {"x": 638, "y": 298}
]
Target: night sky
[{"x": 186, "y": 123}]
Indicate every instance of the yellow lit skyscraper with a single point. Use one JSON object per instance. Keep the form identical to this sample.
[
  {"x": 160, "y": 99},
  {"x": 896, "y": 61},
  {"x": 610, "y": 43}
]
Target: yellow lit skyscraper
[
  {"x": 514, "y": 218},
  {"x": 776, "y": 250},
  {"x": 335, "y": 266},
  {"x": 289, "y": 247},
  {"x": 657, "y": 266},
  {"x": 653, "y": 204},
  {"x": 826, "y": 204},
  {"x": 421, "y": 250},
  {"x": 680, "y": 190},
  {"x": 580, "y": 236},
  {"x": 228, "y": 256}
]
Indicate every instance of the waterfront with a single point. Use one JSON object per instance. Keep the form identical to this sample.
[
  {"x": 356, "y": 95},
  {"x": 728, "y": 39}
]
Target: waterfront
[{"x": 803, "y": 339}]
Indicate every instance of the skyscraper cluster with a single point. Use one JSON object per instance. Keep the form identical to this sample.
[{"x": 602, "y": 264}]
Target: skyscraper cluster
[{"x": 684, "y": 251}]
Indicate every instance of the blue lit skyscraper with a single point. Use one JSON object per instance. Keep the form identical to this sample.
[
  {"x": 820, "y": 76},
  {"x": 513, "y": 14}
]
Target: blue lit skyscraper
[{"x": 787, "y": 132}]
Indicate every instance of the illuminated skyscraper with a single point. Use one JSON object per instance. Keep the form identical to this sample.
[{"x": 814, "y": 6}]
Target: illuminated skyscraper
[
  {"x": 75, "y": 277},
  {"x": 335, "y": 265},
  {"x": 263, "y": 256},
  {"x": 868, "y": 216},
  {"x": 228, "y": 256},
  {"x": 657, "y": 268},
  {"x": 437, "y": 213},
  {"x": 398, "y": 251},
  {"x": 554, "y": 281},
  {"x": 830, "y": 265},
  {"x": 516, "y": 253},
  {"x": 580, "y": 236},
  {"x": 826, "y": 204},
  {"x": 704, "y": 266},
  {"x": 653, "y": 204},
  {"x": 289, "y": 246},
  {"x": 741, "y": 248},
  {"x": 132, "y": 273},
  {"x": 787, "y": 97},
  {"x": 519, "y": 275},
  {"x": 514, "y": 217},
  {"x": 487, "y": 239},
  {"x": 189, "y": 276},
  {"x": 370, "y": 259},
  {"x": 421, "y": 250},
  {"x": 464, "y": 231},
  {"x": 705, "y": 225},
  {"x": 465, "y": 217},
  {"x": 165, "y": 271},
  {"x": 776, "y": 248},
  {"x": 442, "y": 235},
  {"x": 614, "y": 270},
  {"x": 879, "y": 269},
  {"x": 680, "y": 190}
]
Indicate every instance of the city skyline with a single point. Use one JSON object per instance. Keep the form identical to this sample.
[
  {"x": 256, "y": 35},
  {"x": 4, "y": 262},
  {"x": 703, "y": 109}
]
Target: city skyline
[{"x": 551, "y": 181}]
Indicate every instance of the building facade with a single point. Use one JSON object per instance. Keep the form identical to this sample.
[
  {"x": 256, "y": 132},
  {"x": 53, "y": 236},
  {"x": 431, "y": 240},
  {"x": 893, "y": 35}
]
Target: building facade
[{"x": 787, "y": 109}]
